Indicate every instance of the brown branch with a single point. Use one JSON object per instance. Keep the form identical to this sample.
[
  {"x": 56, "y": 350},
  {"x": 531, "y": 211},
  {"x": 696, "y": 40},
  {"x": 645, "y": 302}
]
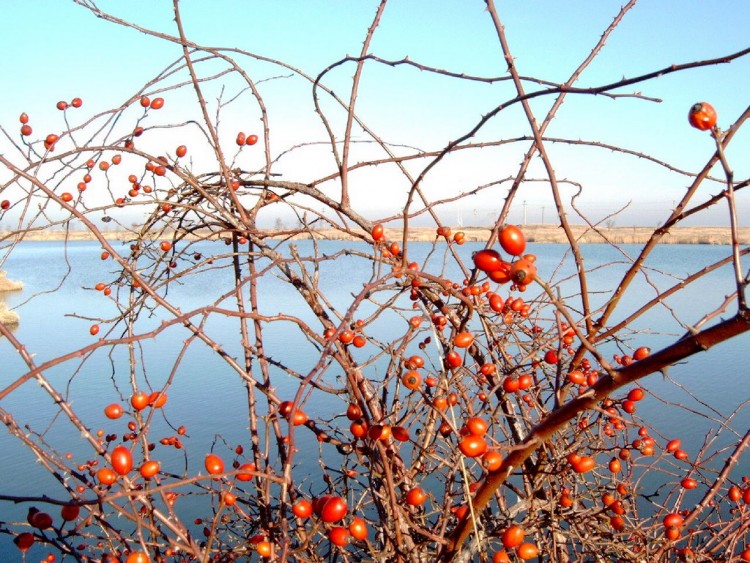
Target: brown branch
[{"x": 557, "y": 419}]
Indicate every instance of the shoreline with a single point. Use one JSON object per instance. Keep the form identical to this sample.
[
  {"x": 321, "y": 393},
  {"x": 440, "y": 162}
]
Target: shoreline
[{"x": 534, "y": 234}]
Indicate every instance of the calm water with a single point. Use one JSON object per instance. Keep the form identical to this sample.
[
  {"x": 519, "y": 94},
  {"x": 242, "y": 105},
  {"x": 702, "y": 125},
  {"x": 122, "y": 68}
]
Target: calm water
[{"x": 210, "y": 399}]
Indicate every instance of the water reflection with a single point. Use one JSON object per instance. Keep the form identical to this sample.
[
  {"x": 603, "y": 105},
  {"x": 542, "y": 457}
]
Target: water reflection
[{"x": 205, "y": 395}]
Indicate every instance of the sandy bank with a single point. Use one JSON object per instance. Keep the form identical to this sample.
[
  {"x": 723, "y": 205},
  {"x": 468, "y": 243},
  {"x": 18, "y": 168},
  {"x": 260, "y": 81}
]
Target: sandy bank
[
  {"x": 534, "y": 233},
  {"x": 9, "y": 285},
  {"x": 581, "y": 233},
  {"x": 8, "y": 317}
]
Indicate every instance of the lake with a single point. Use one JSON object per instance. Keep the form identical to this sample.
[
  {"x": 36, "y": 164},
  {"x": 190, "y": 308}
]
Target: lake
[{"x": 58, "y": 305}]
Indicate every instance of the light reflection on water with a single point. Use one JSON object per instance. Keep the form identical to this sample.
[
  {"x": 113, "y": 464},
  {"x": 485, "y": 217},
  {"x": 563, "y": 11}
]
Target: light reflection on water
[{"x": 210, "y": 399}]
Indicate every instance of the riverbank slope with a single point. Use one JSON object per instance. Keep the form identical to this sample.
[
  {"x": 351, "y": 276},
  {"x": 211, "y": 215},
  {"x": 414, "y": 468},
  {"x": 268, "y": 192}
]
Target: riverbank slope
[{"x": 534, "y": 233}]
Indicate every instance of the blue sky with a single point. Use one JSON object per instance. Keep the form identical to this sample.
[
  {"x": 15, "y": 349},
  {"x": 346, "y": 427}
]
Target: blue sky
[{"x": 57, "y": 50}]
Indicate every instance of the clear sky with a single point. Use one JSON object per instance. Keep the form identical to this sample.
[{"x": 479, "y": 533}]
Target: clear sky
[{"x": 55, "y": 49}]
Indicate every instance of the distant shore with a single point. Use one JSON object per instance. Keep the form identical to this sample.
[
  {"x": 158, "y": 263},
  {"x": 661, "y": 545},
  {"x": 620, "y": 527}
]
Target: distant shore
[{"x": 534, "y": 233}]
